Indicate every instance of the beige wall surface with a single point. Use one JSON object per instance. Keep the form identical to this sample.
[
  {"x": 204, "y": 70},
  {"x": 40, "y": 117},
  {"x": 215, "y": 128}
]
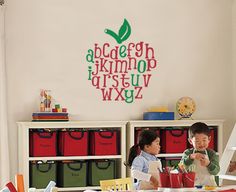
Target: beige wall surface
[
  {"x": 234, "y": 50},
  {"x": 47, "y": 43},
  {"x": 234, "y": 57}
]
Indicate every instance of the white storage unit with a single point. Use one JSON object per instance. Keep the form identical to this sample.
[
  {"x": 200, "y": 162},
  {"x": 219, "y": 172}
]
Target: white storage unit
[
  {"x": 160, "y": 124},
  {"x": 24, "y": 158}
]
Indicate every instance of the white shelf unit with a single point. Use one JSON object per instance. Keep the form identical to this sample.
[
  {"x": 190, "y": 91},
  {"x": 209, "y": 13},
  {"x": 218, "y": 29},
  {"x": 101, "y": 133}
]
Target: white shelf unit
[
  {"x": 23, "y": 146},
  {"x": 132, "y": 125}
]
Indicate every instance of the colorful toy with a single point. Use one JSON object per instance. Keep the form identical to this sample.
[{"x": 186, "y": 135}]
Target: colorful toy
[{"x": 45, "y": 100}]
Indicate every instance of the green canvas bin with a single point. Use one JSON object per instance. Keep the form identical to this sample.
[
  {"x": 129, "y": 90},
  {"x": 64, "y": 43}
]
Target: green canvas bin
[
  {"x": 171, "y": 162},
  {"x": 101, "y": 170},
  {"x": 72, "y": 174},
  {"x": 42, "y": 173}
]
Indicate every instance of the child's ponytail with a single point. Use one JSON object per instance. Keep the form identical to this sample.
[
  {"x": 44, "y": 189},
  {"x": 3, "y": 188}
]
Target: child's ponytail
[
  {"x": 133, "y": 152},
  {"x": 146, "y": 137}
]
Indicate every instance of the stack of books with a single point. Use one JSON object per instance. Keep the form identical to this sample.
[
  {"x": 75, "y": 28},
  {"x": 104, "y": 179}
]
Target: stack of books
[{"x": 50, "y": 116}]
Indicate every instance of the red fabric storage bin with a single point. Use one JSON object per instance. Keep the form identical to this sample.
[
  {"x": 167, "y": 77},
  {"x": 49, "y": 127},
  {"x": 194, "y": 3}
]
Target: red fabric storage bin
[
  {"x": 105, "y": 142},
  {"x": 173, "y": 140},
  {"x": 43, "y": 143},
  {"x": 213, "y": 143},
  {"x": 73, "y": 143}
]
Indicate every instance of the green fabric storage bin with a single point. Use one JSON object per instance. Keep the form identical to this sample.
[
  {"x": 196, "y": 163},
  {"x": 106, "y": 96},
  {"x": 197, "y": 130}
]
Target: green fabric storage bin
[
  {"x": 101, "y": 170},
  {"x": 72, "y": 174},
  {"x": 42, "y": 173},
  {"x": 171, "y": 162}
]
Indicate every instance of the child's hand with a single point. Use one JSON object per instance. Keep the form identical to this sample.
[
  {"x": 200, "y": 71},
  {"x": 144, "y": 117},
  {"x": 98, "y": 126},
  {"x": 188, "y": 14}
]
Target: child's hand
[
  {"x": 154, "y": 182},
  {"x": 232, "y": 166},
  {"x": 197, "y": 156},
  {"x": 204, "y": 161}
]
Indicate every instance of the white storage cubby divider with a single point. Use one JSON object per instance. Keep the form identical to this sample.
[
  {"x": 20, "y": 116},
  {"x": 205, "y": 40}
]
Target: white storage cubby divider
[
  {"x": 162, "y": 124},
  {"x": 24, "y": 158}
]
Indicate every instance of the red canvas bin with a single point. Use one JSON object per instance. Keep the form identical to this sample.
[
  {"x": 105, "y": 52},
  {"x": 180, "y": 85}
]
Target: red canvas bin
[
  {"x": 104, "y": 142},
  {"x": 173, "y": 140},
  {"x": 213, "y": 142},
  {"x": 73, "y": 142},
  {"x": 43, "y": 143}
]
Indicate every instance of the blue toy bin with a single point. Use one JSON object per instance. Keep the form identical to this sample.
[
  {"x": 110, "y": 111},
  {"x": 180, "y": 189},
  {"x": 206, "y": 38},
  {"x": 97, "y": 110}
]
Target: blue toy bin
[{"x": 158, "y": 116}]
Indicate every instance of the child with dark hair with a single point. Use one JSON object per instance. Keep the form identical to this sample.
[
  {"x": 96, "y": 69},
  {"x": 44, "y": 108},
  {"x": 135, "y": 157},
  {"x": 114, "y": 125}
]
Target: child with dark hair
[
  {"x": 149, "y": 144},
  {"x": 232, "y": 166},
  {"x": 205, "y": 161}
]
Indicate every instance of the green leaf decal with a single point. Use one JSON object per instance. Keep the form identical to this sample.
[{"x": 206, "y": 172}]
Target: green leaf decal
[
  {"x": 114, "y": 35},
  {"x": 124, "y": 32}
]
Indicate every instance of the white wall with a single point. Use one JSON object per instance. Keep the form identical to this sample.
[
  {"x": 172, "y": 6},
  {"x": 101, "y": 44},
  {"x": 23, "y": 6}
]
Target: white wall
[
  {"x": 234, "y": 55},
  {"x": 234, "y": 49},
  {"x": 47, "y": 42}
]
